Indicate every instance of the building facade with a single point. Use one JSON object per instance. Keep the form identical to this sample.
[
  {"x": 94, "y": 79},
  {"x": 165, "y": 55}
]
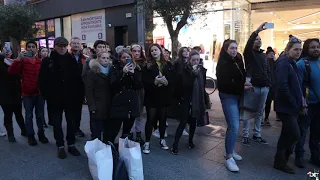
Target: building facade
[{"x": 113, "y": 21}]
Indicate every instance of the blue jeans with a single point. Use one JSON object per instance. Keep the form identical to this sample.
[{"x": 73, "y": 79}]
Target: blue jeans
[
  {"x": 37, "y": 103},
  {"x": 230, "y": 106},
  {"x": 312, "y": 121},
  {"x": 264, "y": 91}
]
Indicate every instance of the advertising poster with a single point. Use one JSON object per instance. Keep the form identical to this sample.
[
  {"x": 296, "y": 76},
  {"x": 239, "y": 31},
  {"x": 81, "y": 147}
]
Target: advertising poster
[{"x": 89, "y": 26}]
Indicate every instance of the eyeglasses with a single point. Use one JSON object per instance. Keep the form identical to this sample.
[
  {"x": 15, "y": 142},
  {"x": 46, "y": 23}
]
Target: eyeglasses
[{"x": 295, "y": 40}]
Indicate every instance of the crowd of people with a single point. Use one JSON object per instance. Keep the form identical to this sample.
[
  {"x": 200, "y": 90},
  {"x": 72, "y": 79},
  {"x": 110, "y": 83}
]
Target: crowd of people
[
  {"x": 118, "y": 85},
  {"x": 292, "y": 81}
]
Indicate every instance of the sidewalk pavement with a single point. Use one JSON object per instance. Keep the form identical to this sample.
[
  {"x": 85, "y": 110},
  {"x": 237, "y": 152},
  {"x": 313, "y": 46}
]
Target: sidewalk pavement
[{"x": 19, "y": 161}]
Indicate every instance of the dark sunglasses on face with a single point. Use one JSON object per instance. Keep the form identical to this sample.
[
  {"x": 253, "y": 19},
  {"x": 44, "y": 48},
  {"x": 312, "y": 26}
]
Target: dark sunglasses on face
[{"x": 295, "y": 40}]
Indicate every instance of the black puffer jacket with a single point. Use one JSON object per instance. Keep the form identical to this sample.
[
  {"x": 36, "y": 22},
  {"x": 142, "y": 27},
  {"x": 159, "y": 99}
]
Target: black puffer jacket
[
  {"x": 231, "y": 74},
  {"x": 125, "y": 102},
  {"x": 256, "y": 64}
]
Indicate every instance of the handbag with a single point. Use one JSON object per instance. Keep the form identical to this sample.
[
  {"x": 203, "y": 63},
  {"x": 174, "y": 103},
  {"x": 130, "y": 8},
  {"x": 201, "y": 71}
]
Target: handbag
[
  {"x": 204, "y": 121},
  {"x": 250, "y": 101},
  {"x": 120, "y": 171}
]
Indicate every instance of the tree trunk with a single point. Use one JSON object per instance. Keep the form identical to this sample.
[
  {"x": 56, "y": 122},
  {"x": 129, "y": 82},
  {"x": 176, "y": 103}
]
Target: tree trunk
[
  {"x": 16, "y": 47},
  {"x": 175, "y": 44}
]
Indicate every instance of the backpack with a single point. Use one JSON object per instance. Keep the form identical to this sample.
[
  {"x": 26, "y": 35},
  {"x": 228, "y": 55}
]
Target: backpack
[{"x": 308, "y": 70}]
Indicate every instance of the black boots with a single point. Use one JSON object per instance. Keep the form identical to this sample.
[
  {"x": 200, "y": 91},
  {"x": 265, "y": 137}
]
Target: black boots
[
  {"x": 280, "y": 163},
  {"x": 10, "y": 134}
]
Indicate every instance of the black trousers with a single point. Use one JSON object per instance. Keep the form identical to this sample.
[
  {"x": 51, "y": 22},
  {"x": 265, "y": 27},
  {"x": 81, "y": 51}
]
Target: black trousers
[
  {"x": 78, "y": 114},
  {"x": 153, "y": 115},
  {"x": 289, "y": 137},
  {"x": 267, "y": 108},
  {"x": 97, "y": 127},
  {"x": 9, "y": 110},
  {"x": 113, "y": 126},
  {"x": 70, "y": 114},
  {"x": 183, "y": 122}
]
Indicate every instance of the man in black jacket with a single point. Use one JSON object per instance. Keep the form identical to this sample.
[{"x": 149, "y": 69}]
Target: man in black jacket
[
  {"x": 258, "y": 70},
  {"x": 61, "y": 85}
]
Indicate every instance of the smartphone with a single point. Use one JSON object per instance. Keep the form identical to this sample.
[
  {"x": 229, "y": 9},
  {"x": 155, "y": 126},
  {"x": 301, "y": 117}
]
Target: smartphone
[
  {"x": 29, "y": 54},
  {"x": 128, "y": 61},
  {"x": 269, "y": 25}
]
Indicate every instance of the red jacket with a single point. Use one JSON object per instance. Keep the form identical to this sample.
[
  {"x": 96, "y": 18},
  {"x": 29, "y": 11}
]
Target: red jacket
[{"x": 29, "y": 70}]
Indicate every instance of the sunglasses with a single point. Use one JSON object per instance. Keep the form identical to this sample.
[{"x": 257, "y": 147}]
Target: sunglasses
[{"x": 295, "y": 40}]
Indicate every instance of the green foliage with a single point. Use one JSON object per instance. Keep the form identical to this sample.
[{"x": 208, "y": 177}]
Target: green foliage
[{"x": 17, "y": 20}]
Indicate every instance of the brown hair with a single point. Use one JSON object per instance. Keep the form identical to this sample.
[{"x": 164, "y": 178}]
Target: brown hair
[
  {"x": 181, "y": 51},
  {"x": 142, "y": 56},
  {"x": 150, "y": 58},
  {"x": 124, "y": 50},
  {"x": 193, "y": 53},
  {"x": 225, "y": 47}
]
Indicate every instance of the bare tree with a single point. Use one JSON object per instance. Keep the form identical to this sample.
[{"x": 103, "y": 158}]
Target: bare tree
[{"x": 176, "y": 12}]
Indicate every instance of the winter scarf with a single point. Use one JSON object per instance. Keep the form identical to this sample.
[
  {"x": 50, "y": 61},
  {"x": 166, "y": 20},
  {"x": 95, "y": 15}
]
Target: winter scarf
[{"x": 198, "y": 104}]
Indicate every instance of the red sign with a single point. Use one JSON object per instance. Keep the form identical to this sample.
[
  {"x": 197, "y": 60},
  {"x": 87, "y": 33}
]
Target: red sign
[{"x": 160, "y": 41}]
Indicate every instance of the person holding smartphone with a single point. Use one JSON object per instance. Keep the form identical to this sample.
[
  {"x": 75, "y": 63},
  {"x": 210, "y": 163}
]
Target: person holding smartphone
[
  {"x": 27, "y": 65},
  {"x": 158, "y": 78},
  {"x": 125, "y": 80}
]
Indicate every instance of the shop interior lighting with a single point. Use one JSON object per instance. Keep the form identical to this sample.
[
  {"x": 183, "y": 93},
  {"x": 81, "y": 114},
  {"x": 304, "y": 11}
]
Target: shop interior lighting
[{"x": 303, "y": 17}]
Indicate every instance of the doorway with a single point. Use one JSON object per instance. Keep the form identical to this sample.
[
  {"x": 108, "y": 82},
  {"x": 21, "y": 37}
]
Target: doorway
[{"x": 121, "y": 35}]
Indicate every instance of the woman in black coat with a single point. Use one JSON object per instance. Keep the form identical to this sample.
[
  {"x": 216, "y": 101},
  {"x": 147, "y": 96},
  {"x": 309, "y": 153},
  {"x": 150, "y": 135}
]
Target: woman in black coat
[
  {"x": 158, "y": 78},
  {"x": 125, "y": 80},
  {"x": 192, "y": 94},
  {"x": 97, "y": 86},
  {"x": 10, "y": 97}
]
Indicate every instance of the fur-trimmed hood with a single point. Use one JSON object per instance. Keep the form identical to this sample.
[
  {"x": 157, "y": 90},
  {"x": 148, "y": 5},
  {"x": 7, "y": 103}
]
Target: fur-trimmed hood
[{"x": 94, "y": 65}]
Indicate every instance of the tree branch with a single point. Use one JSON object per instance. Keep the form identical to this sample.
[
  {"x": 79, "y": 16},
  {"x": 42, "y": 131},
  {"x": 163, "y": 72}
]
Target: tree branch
[
  {"x": 168, "y": 20},
  {"x": 183, "y": 20}
]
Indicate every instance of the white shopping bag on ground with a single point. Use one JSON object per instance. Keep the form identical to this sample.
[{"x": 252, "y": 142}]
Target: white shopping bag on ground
[
  {"x": 99, "y": 159},
  {"x": 130, "y": 152}
]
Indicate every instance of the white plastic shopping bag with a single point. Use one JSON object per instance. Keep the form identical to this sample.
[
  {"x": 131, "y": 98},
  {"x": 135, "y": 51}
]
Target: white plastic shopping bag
[
  {"x": 99, "y": 159},
  {"x": 130, "y": 152}
]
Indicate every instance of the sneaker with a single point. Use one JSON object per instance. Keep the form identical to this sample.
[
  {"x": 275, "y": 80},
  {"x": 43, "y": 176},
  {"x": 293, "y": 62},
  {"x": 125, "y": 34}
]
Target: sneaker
[
  {"x": 245, "y": 141},
  {"x": 267, "y": 122},
  {"x": 236, "y": 157},
  {"x": 174, "y": 151},
  {"x": 61, "y": 153},
  {"x": 185, "y": 133},
  {"x": 191, "y": 145},
  {"x": 146, "y": 148},
  {"x": 79, "y": 133},
  {"x": 73, "y": 150},
  {"x": 163, "y": 144},
  {"x": 43, "y": 139},
  {"x": 284, "y": 168},
  {"x": 2, "y": 134},
  {"x": 259, "y": 140},
  {"x": 156, "y": 133},
  {"x": 299, "y": 162},
  {"x": 231, "y": 165},
  {"x": 32, "y": 141}
]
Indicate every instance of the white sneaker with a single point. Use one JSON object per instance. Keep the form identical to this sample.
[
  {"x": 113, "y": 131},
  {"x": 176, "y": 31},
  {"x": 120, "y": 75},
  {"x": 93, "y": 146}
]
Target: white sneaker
[
  {"x": 231, "y": 165},
  {"x": 163, "y": 144},
  {"x": 185, "y": 133},
  {"x": 165, "y": 134},
  {"x": 156, "y": 133},
  {"x": 2, "y": 133},
  {"x": 146, "y": 148},
  {"x": 236, "y": 156}
]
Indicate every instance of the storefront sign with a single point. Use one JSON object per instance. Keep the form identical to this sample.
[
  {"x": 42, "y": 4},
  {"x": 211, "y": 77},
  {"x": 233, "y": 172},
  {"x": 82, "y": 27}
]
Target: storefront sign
[
  {"x": 160, "y": 41},
  {"x": 89, "y": 26}
]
